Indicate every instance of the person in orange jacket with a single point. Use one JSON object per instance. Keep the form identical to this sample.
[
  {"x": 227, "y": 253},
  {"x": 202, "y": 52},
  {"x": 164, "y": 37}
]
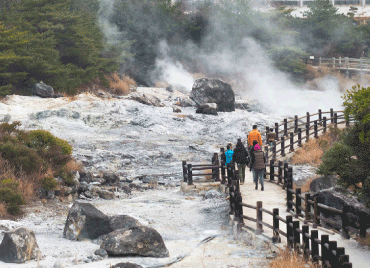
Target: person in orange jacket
[{"x": 254, "y": 135}]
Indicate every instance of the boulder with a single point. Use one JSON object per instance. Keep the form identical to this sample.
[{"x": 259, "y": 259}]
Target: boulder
[
  {"x": 43, "y": 90},
  {"x": 110, "y": 178},
  {"x": 186, "y": 103},
  {"x": 169, "y": 88},
  {"x": 322, "y": 183},
  {"x": 85, "y": 176},
  {"x": 147, "y": 99},
  {"x": 206, "y": 109},
  {"x": 19, "y": 246},
  {"x": 101, "y": 252},
  {"x": 213, "y": 91},
  {"x": 123, "y": 222},
  {"x": 106, "y": 194},
  {"x": 338, "y": 197},
  {"x": 176, "y": 110},
  {"x": 58, "y": 95},
  {"x": 125, "y": 188},
  {"x": 84, "y": 221},
  {"x": 143, "y": 241},
  {"x": 127, "y": 265}
]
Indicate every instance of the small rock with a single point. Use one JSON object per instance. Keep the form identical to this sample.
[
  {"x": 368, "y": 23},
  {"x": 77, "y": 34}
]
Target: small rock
[
  {"x": 101, "y": 252},
  {"x": 58, "y": 264},
  {"x": 176, "y": 110},
  {"x": 106, "y": 194},
  {"x": 127, "y": 265}
]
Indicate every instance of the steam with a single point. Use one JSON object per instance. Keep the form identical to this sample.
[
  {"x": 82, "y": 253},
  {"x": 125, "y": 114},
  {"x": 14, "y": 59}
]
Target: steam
[{"x": 247, "y": 64}]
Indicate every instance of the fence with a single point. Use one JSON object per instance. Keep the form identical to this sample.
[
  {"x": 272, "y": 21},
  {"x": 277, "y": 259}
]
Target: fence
[
  {"x": 311, "y": 210},
  {"x": 291, "y": 131},
  {"x": 344, "y": 64}
]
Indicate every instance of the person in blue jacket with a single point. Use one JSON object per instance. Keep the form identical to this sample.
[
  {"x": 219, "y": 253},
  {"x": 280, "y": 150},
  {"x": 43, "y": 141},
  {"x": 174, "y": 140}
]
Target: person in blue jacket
[{"x": 229, "y": 154}]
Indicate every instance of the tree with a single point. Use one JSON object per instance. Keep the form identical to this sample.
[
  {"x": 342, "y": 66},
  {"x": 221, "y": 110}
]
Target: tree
[
  {"x": 349, "y": 158},
  {"x": 65, "y": 44}
]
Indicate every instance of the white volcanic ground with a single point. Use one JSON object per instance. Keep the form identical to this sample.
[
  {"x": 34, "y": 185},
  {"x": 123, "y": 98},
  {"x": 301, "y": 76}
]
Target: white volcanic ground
[{"x": 132, "y": 140}]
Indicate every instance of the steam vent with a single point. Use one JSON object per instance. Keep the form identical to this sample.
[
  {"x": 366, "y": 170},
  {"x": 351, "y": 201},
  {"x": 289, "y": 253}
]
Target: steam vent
[{"x": 213, "y": 91}]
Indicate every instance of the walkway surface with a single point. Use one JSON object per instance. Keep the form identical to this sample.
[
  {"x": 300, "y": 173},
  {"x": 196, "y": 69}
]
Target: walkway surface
[{"x": 274, "y": 196}]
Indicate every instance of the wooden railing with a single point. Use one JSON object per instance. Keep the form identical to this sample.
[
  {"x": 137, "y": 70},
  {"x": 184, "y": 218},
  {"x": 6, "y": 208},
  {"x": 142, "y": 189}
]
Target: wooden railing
[
  {"x": 296, "y": 132},
  {"x": 347, "y": 64}
]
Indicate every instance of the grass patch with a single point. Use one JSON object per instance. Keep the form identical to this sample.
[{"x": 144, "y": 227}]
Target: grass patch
[
  {"x": 312, "y": 151},
  {"x": 290, "y": 259}
]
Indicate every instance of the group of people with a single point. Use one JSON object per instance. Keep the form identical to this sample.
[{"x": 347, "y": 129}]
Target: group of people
[{"x": 253, "y": 157}]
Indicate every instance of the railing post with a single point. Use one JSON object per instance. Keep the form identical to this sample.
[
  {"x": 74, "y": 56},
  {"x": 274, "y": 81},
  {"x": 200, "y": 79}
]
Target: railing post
[
  {"x": 217, "y": 169},
  {"x": 347, "y": 64},
  {"x": 316, "y": 220},
  {"x": 291, "y": 142},
  {"x": 289, "y": 187},
  {"x": 272, "y": 170},
  {"x": 285, "y": 127},
  {"x": 184, "y": 171},
  {"x": 276, "y": 236},
  {"x": 319, "y": 61},
  {"x": 280, "y": 172},
  {"x": 289, "y": 231},
  {"x": 331, "y": 115},
  {"x": 295, "y": 123},
  {"x": 345, "y": 259},
  {"x": 267, "y": 131},
  {"x": 277, "y": 131},
  {"x": 223, "y": 172},
  {"x": 315, "y": 129},
  {"x": 314, "y": 245},
  {"x": 274, "y": 151},
  {"x": 297, "y": 236},
  {"x": 282, "y": 143},
  {"x": 324, "y": 124},
  {"x": 308, "y": 118},
  {"x": 285, "y": 175},
  {"x": 320, "y": 117},
  {"x": 299, "y": 137},
  {"x": 298, "y": 202},
  {"x": 333, "y": 257},
  {"x": 230, "y": 174},
  {"x": 306, "y": 241},
  {"x": 232, "y": 196},
  {"x": 335, "y": 119},
  {"x": 236, "y": 195},
  {"x": 344, "y": 217},
  {"x": 241, "y": 221},
  {"x": 307, "y": 132},
  {"x": 307, "y": 208},
  {"x": 259, "y": 218},
  {"x": 333, "y": 62},
  {"x": 190, "y": 174},
  {"x": 347, "y": 122},
  {"x": 324, "y": 250}
]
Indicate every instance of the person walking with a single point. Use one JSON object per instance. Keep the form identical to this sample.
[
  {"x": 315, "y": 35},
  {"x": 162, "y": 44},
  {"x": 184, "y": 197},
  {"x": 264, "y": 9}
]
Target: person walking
[
  {"x": 254, "y": 135},
  {"x": 271, "y": 138},
  {"x": 229, "y": 154},
  {"x": 241, "y": 157},
  {"x": 257, "y": 166}
]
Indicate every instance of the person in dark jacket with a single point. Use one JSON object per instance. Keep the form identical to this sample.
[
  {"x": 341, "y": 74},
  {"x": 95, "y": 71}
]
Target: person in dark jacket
[
  {"x": 257, "y": 166},
  {"x": 271, "y": 138},
  {"x": 229, "y": 154},
  {"x": 241, "y": 157},
  {"x": 251, "y": 148}
]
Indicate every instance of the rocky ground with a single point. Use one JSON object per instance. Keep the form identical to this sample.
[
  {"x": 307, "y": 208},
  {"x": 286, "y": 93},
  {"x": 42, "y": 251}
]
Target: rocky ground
[{"x": 139, "y": 144}]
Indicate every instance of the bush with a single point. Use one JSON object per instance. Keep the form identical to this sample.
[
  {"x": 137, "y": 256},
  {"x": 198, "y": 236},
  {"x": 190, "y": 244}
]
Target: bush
[
  {"x": 10, "y": 195},
  {"x": 42, "y": 139},
  {"x": 67, "y": 177},
  {"x": 49, "y": 183},
  {"x": 21, "y": 157}
]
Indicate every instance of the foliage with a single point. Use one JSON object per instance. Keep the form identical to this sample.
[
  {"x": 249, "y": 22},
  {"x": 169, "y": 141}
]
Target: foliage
[
  {"x": 49, "y": 183},
  {"x": 42, "y": 139},
  {"x": 10, "y": 195},
  {"x": 349, "y": 158},
  {"x": 53, "y": 41},
  {"x": 67, "y": 177}
]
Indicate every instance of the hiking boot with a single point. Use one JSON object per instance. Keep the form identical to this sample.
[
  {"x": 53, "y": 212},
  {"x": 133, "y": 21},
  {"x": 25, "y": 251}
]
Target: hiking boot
[
  {"x": 256, "y": 187},
  {"x": 262, "y": 188}
]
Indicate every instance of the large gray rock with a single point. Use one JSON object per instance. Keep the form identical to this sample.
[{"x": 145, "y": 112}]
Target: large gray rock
[
  {"x": 213, "y": 91},
  {"x": 143, "y": 241},
  {"x": 43, "y": 90},
  {"x": 147, "y": 99},
  {"x": 19, "y": 246},
  {"x": 123, "y": 222},
  {"x": 338, "y": 197},
  {"x": 322, "y": 183},
  {"x": 127, "y": 265},
  {"x": 110, "y": 178},
  {"x": 84, "y": 221},
  {"x": 206, "y": 109}
]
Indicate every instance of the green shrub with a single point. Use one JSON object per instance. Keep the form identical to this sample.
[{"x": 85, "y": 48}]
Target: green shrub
[
  {"x": 21, "y": 157},
  {"x": 49, "y": 183},
  {"x": 11, "y": 196},
  {"x": 42, "y": 139},
  {"x": 9, "y": 128},
  {"x": 67, "y": 177}
]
